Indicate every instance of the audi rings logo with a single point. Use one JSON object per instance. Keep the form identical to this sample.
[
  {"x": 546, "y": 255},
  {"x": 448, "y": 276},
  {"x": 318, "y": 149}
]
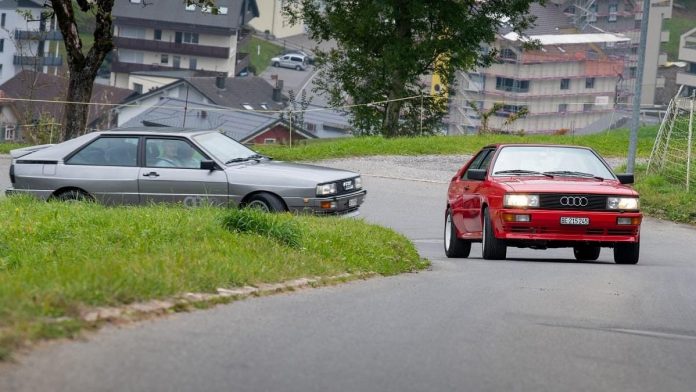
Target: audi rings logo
[{"x": 574, "y": 201}]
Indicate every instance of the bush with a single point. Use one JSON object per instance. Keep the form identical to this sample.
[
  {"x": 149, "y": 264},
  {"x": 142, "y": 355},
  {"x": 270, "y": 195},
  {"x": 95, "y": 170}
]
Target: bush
[{"x": 280, "y": 227}]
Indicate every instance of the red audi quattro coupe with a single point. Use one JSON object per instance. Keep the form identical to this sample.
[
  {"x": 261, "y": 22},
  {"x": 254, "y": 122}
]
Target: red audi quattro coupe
[{"x": 542, "y": 196}]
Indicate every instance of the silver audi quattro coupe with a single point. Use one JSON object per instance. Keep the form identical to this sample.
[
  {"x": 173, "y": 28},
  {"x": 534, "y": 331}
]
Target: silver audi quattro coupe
[{"x": 193, "y": 167}]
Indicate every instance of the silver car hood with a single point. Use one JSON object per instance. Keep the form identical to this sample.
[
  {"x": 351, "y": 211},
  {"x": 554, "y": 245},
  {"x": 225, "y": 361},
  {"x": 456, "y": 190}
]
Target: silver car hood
[{"x": 280, "y": 171}]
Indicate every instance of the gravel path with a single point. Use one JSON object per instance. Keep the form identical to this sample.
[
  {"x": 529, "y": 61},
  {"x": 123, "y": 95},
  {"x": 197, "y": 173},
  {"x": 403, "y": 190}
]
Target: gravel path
[{"x": 435, "y": 168}]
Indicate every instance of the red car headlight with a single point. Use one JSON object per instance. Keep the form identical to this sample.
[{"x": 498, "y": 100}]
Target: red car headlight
[{"x": 520, "y": 201}]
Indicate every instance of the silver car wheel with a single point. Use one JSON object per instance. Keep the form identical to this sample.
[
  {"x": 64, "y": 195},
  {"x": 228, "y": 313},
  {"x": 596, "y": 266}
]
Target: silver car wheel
[{"x": 259, "y": 205}]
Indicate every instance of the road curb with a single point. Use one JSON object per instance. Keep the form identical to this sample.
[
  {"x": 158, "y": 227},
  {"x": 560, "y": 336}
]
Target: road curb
[{"x": 188, "y": 301}]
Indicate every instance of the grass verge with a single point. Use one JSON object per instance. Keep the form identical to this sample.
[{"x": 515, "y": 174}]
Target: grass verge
[
  {"x": 612, "y": 143},
  {"x": 664, "y": 199},
  {"x": 261, "y": 52},
  {"x": 57, "y": 260},
  {"x": 5, "y": 148}
]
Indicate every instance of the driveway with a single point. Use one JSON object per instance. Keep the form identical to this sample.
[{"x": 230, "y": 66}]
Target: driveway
[{"x": 539, "y": 321}]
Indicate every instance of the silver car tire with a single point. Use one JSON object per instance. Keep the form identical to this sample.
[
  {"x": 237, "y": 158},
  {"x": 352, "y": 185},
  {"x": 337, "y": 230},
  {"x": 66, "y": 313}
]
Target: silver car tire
[
  {"x": 276, "y": 64},
  {"x": 73, "y": 195},
  {"x": 265, "y": 202}
]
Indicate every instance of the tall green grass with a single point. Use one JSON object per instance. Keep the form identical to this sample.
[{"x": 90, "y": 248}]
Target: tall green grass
[
  {"x": 58, "y": 259},
  {"x": 611, "y": 143}
]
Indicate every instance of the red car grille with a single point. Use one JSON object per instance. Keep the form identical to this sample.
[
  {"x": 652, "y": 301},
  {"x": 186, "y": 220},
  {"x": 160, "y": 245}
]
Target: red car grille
[
  {"x": 573, "y": 202},
  {"x": 574, "y": 230}
]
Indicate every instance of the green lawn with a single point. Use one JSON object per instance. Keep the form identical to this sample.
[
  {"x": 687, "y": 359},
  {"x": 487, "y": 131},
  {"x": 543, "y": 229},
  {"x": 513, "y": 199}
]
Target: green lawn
[
  {"x": 261, "y": 52},
  {"x": 612, "y": 143},
  {"x": 58, "y": 259}
]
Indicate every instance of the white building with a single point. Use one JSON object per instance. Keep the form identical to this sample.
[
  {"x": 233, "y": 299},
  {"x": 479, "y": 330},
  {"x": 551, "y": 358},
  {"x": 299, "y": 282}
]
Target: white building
[
  {"x": 168, "y": 35},
  {"x": 272, "y": 20},
  {"x": 687, "y": 53},
  {"x": 27, "y": 44}
]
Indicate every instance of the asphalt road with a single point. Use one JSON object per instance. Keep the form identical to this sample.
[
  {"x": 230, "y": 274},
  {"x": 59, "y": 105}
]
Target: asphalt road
[{"x": 538, "y": 321}]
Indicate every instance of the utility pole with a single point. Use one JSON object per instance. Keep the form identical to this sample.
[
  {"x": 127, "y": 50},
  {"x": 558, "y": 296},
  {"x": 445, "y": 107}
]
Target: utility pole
[{"x": 635, "y": 118}]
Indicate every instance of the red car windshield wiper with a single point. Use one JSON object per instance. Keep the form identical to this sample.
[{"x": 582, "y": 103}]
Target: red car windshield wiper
[
  {"x": 520, "y": 172},
  {"x": 573, "y": 174}
]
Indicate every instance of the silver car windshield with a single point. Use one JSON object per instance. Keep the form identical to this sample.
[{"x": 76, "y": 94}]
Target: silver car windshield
[
  {"x": 224, "y": 148},
  {"x": 549, "y": 161}
]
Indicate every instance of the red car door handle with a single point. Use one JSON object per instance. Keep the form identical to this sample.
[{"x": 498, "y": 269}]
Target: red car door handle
[{"x": 151, "y": 174}]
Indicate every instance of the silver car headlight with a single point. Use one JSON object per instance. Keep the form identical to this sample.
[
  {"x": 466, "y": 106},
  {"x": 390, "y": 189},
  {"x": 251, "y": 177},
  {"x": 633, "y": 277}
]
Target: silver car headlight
[
  {"x": 358, "y": 182},
  {"x": 623, "y": 203},
  {"x": 326, "y": 189},
  {"x": 521, "y": 201}
]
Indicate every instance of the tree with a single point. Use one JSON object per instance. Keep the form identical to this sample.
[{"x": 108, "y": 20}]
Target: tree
[
  {"x": 83, "y": 66},
  {"x": 383, "y": 47},
  {"x": 485, "y": 115}
]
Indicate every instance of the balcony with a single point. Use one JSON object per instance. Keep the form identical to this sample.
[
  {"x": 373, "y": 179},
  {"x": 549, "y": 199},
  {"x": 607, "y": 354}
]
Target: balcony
[
  {"x": 688, "y": 52},
  {"x": 122, "y": 67},
  {"x": 172, "y": 47},
  {"x": 687, "y": 79},
  {"x": 35, "y": 61},
  {"x": 35, "y": 35}
]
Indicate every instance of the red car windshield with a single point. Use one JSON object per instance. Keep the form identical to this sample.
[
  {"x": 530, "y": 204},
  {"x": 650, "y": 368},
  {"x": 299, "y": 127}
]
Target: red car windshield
[{"x": 560, "y": 161}]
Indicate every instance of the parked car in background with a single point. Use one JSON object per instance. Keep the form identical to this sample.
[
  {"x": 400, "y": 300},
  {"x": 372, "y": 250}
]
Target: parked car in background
[
  {"x": 542, "y": 196},
  {"x": 293, "y": 60},
  {"x": 145, "y": 165},
  {"x": 308, "y": 57}
]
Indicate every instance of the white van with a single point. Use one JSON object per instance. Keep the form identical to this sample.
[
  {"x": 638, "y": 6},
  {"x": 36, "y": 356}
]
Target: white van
[{"x": 290, "y": 60}]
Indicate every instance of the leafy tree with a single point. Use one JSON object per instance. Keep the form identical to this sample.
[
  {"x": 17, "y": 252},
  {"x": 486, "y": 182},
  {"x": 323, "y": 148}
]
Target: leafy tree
[
  {"x": 383, "y": 47},
  {"x": 83, "y": 65},
  {"x": 485, "y": 115}
]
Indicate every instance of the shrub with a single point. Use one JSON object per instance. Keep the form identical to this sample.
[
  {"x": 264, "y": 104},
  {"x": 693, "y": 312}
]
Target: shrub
[{"x": 280, "y": 227}]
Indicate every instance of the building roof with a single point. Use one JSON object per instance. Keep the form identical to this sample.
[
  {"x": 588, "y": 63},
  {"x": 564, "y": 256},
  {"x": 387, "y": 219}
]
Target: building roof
[
  {"x": 230, "y": 16},
  {"x": 43, "y": 87},
  {"x": 253, "y": 90},
  {"x": 569, "y": 39},
  {"x": 550, "y": 19},
  {"x": 238, "y": 124}
]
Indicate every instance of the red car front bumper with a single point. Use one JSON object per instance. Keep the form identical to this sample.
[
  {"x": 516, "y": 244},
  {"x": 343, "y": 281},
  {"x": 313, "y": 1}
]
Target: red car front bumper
[{"x": 545, "y": 226}]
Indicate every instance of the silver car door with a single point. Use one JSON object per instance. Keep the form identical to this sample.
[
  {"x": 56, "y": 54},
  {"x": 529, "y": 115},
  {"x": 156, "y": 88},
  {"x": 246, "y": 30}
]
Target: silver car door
[
  {"x": 107, "y": 169},
  {"x": 171, "y": 173}
]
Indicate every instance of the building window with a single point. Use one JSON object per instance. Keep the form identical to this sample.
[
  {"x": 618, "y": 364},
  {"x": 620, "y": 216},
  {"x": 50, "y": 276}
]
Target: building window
[
  {"x": 222, "y": 10},
  {"x": 191, "y": 38},
  {"x": 158, "y": 34},
  {"x": 311, "y": 127},
  {"x": 565, "y": 84},
  {"x": 587, "y": 107},
  {"x": 138, "y": 88},
  {"x": 508, "y": 54},
  {"x": 3, "y": 17},
  {"x": 592, "y": 14},
  {"x": 10, "y": 133},
  {"x": 135, "y": 1},
  {"x": 508, "y": 110},
  {"x": 513, "y": 85},
  {"x": 176, "y": 61},
  {"x": 632, "y": 72},
  {"x": 247, "y": 106},
  {"x": 562, "y": 107},
  {"x": 613, "y": 9},
  {"x": 269, "y": 140},
  {"x": 164, "y": 59},
  {"x": 178, "y": 37},
  {"x": 692, "y": 68},
  {"x": 191, "y": 7},
  {"x": 589, "y": 82},
  {"x": 193, "y": 63}
]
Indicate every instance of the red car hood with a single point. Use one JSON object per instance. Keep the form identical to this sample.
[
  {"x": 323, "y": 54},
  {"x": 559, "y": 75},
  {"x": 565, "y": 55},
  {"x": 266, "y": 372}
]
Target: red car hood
[{"x": 565, "y": 185}]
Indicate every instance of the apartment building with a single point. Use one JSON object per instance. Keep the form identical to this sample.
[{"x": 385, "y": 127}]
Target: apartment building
[
  {"x": 687, "y": 53},
  {"x": 152, "y": 35},
  {"x": 581, "y": 79},
  {"x": 625, "y": 17},
  {"x": 28, "y": 40}
]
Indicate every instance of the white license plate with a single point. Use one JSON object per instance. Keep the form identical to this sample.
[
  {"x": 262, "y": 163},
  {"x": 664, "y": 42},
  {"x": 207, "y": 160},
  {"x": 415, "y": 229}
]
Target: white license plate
[
  {"x": 566, "y": 220},
  {"x": 353, "y": 203}
]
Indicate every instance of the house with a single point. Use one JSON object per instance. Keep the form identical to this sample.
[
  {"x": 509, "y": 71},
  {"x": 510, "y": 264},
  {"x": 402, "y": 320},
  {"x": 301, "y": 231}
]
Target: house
[
  {"x": 248, "y": 127},
  {"x": 272, "y": 21},
  {"x": 29, "y": 39},
  {"x": 248, "y": 93},
  {"x": 28, "y": 97},
  {"x": 687, "y": 53},
  {"x": 164, "y": 35}
]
